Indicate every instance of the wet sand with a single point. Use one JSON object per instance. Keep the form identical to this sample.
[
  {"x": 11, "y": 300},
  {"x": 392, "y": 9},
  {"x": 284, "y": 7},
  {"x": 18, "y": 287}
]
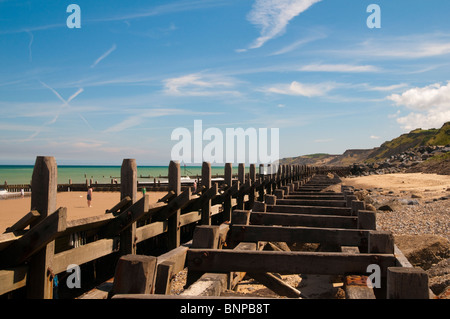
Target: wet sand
[{"x": 11, "y": 210}]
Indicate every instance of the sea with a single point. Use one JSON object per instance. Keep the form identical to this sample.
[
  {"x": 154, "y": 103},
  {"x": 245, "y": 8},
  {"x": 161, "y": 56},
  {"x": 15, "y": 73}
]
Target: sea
[{"x": 21, "y": 174}]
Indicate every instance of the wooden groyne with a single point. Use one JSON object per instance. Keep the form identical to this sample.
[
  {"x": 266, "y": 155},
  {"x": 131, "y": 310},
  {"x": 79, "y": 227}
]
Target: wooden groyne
[{"x": 216, "y": 233}]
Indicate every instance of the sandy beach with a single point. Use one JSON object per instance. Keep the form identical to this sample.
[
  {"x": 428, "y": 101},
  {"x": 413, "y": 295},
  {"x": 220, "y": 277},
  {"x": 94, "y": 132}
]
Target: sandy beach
[
  {"x": 11, "y": 210},
  {"x": 429, "y": 184}
]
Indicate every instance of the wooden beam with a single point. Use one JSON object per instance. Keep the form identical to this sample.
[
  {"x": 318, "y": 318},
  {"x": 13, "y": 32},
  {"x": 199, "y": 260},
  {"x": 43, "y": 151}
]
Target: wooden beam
[
  {"x": 120, "y": 205},
  {"x": 275, "y": 284},
  {"x": 208, "y": 284},
  {"x": 240, "y": 217},
  {"x": 84, "y": 254},
  {"x": 342, "y": 237},
  {"x": 316, "y": 210},
  {"x": 128, "y": 217},
  {"x": 12, "y": 279},
  {"x": 326, "y": 221},
  {"x": 35, "y": 239},
  {"x": 318, "y": 202},
  {"x": 173, "y": 206},
  {"x": 224, "y": 260},
  {"x": 24, "y": 221}
]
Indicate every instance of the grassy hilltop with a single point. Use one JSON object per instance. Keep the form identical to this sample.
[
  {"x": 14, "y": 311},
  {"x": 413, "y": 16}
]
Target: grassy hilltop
[{"x": 408, "y": 142}]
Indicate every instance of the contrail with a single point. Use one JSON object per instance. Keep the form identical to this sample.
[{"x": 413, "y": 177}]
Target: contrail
[
  {"x": 30, "y": 54},
  {"x": 65, "y": 103},
  {"x": 104, "y": 55}
]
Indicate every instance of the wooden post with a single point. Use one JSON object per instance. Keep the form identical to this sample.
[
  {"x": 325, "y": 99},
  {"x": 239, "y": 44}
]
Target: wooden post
[
  {"x": 367, "y": 220},
  {"x": 357, "y": 206},
  {"x": 173, "y": 231},
  {"x": 205, "y": 236},
  {"x": 227, "y": 203},
  {"x": 128, "y": 187},
  {"x": 206, "y": 182},
  {"x": 134, "y": 275},
  {"x": 407, "y": 283},
  {"x": 381, "y": 242},
  {"x": 270, "y": 199},
  {"x": 241, "y": 178},
  {"x": 252, "y": 177},
  {"x": 261, "y": 180},
  {"x": 44, "y": 186}
]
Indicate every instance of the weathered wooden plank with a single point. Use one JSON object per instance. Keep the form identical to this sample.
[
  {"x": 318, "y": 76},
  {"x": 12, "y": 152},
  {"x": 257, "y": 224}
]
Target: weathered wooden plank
[
  {"x": 151, "y": 230},
  {"x": 12, "y": 279},
  {"x": 84, "y": 254},
  {"x": 173, "y": 206},
  {"x": 123, "y": 203},
  {"x": 35, "y": 239},
  {"x": 129, "y": 216},
  {"x": 337, "y": 236},
  {"x": 325, "y": 196},
  {"x": 208, "y": 284},
  {"x": 309, "y": 220},
  {"x": 7, "y": 239},
  {"x": 316, "y": 210},
  {"x": 317, "y": 202},
  {"x": 236, "y": 277},
  {"x": 275, "y": 284},
  {"x": 82, "y": 224},
  {"x": 215, "y": 260},
  {"x": 24, "y": 221}
]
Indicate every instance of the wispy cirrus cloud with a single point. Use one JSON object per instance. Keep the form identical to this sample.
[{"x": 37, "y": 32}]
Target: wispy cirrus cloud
[
  {"x": 272, "y": 17},
  {"x": 299, "y": 43},
  {"x": 302, "y": 89},
  {"x": 411, "y": 46},
  {"x": 198, "y": 84},
  {"x": 138, "y": 119},
  {"x": 343, "y": 68},
  {"x": 104, "y": 55}
]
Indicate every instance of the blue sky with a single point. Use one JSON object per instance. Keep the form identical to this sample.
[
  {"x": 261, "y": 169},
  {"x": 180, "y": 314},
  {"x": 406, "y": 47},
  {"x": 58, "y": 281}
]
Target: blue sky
[{"x": 136, "y": 70}]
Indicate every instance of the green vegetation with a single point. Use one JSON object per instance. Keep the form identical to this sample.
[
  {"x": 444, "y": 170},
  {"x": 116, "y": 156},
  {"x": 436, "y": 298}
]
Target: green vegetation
[
  {"x": 413, "y": 139},
  {"x": 317, "y": 155}
]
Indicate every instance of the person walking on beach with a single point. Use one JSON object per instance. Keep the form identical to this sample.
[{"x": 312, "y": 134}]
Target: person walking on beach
[
  {"x": 89, "y": 196},
  {"x": 143, "y": 191}
]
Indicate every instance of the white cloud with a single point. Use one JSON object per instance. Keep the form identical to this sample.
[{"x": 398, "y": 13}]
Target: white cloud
[
  {"x": 199, "y": 85},
  {"x": 374, "y": 137},
  {"x": 297, "y": 88},
  {"x": 272, "y": 17},
  {"x": 344, "y": 68},
  {"x": 434, "y": 95},
  {"x": 431, "y": 105}
]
